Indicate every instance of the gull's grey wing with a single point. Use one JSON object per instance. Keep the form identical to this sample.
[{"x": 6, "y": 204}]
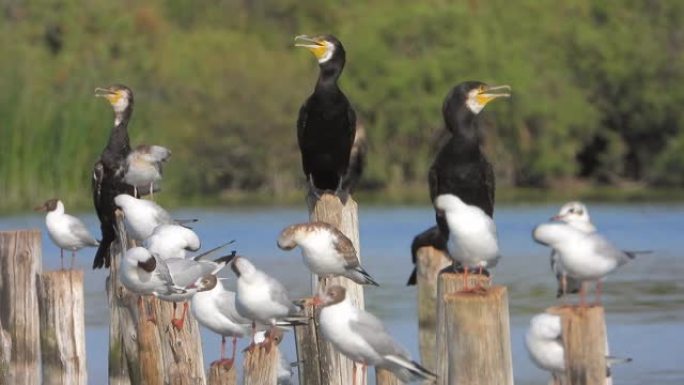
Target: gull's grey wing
[
  {"x": 278, "y": 294},
  {"x": 81, "y": 231},
  {"x": 225, "y": 303},
  {"x": 161, "y": 270},
  {"x": 187, "y": 271},
  {"x": 371, "y": 329},
  {"x": 606, "y": 249}
]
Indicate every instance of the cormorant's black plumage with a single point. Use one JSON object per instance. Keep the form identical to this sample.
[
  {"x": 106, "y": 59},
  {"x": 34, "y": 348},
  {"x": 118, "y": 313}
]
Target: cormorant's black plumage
[
  {"x": 461, "y": 167},
  {"x": 327, "y": 122},
  {"x": 108, "y": 174}
]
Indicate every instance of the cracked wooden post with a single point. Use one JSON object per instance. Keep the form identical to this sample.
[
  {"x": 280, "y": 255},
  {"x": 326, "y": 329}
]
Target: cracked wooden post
[
  {"x": 385, "y": 377},
  {"x": 260, "y": 366},
  {"x": 62, "y": 327},
  {"x": 584, "y": 343},
  {"x": 222, "y": 375},
  {"x": 429, "y": 263},
  {"x": 473, "y": 333},
  {"x": 20, "y": 264},
  {"x": 144, "y": 348},
  {"x": 321, "y": 364}
]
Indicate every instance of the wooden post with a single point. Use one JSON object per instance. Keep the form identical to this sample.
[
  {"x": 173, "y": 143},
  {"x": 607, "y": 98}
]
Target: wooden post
[
  {"x": 62, "y": 324},
  {"x": 584, "y": 341},
  {"x": 473, "y": 333},
  {"x": 260, "y": 366},
  {"x": 144, "y": 348},
  {"x": 5, "y": 353},
  {"x": 429, "y": 263},
  {"x": 333, "y": 367},
  {"x": 20, "y": 264},
  {"x": 385, "y": 377},
  {"x": 222, "y": 375}
]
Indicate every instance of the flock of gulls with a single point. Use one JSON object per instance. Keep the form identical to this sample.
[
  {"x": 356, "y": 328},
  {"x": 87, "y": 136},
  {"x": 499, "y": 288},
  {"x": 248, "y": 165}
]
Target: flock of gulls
[{"x": 168, "y": 263}]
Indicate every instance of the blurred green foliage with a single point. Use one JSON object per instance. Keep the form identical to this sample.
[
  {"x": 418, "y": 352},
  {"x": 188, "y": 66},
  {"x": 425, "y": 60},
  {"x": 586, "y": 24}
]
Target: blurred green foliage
[{"x": 597, "y": 89}]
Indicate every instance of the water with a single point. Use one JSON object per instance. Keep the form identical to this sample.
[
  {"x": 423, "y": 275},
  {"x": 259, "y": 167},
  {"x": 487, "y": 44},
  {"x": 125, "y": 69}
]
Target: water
[{"x": 643, "y": 300}]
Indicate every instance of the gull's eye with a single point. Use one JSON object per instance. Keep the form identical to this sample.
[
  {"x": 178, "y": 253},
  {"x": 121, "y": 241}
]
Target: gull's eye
[{"x": 580, "y": 212}]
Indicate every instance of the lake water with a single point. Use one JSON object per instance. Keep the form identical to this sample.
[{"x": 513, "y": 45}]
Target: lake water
[{"x": 644, "y": 300}]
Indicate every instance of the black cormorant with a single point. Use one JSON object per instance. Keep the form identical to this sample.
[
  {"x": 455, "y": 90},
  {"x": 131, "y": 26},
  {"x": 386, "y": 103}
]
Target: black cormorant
[
  {"x": 109, "y": 170},
  {"x": 357, "y": 160},
  {"x": 461, "y": 167},
  {"x": 327, "y": 122}
]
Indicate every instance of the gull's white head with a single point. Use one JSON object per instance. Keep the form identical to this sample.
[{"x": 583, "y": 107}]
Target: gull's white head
[
  {"x": 138, "y": 254},
  {"x": 573, "y": 211},
  {"x": 124, "y": 200},
  {"x": 242, "y": 267}
]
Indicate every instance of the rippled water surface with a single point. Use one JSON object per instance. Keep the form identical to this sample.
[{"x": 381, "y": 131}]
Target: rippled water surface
[{"x": 644, "y": 300}]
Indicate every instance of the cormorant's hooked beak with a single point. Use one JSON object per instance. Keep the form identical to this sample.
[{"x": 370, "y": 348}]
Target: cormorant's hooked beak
[
  {"x": 489, "y": 93},
  {"x": 316, "y": 45},
  {"x": 104, "y": 92}
]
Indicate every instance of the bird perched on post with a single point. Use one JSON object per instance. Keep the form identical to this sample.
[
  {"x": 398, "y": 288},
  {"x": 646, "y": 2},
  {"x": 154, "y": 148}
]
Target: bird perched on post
[
  {"x": 109, "y": 170},
  {"x": 327, "y": 122},
  {"x": 544, "y": 344},
  {"x": 326, "y": 251},
  {"x": 576, "y": 215},
  {"x": 66, "y": 231},
  {"x": 584, "y": 256},
  {"x": 144, "y": 168},
  {"x": 460, "y": 168},
  {"x": 361, "y": 337}
]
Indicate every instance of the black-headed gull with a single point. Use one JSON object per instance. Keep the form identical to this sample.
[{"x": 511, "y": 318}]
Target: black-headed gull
[
  {"x": 142, "y": 216},
  {"x": 144, "y": 168},
  {"x": 544, "y": 344},
  {"x": 361, "y": 337},
  {"x": 172, "y": 241},
  {"x": 66, "y": 231},
  {"x": 214, "y": 308},
  {"x": 189, "y": 274},
  {"x": 326, "y": 251},
  {"x": 584, "y": 256},
  {"x": 472, "y": 238},
  {"x": 261, "y": 298},
  {"x": 575, "y": 214}
]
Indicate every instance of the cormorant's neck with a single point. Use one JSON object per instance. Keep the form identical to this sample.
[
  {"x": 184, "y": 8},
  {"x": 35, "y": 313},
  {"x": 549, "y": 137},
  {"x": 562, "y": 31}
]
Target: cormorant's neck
[
  {"x": 463, "y": 126},
  {"x": 329, "y": 73},
  {"x": 118, "y": 138}
]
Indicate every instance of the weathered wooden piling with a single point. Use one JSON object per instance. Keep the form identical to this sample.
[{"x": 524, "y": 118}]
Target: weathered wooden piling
[
  {"x": 144, "y": 348},
  {"x": 584, "y": 343},
  {"x": 385, "y": 377},
  {"x": 321, "y": 364},
  {"x": 429, "y": 263},
  {"x": 473, "y": 333},
  {"x": 260, "y": 365},
  {"x": 62, "y": 327},
  {"x": 20, "y": 264},
  {"x": 222, "y": 375}
]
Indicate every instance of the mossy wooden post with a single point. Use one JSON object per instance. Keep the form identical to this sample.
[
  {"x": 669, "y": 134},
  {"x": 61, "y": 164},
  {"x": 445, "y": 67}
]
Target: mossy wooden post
[
  {"x": 473, "y": 333},
  {"x": 144, "y": 348},
  {"x": 62, "y": 327},
  {"x": 429, "y": 263},
  {"x": 260, "y": 365},
  {"x": 20, "y": 264},
  {"x": 584, "y": 342},
  {"x": 321, "y": 363},
  {"x": 222, "y": 375}
]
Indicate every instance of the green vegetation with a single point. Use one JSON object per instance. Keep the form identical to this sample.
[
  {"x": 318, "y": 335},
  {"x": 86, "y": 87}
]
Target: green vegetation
[{"x": 597, "y": 91}]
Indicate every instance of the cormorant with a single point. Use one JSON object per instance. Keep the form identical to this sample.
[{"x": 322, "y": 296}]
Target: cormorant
[
  {"x": 357, "y": 160},
  {"x": 327, "y": 123},
  {"x": 460, "y": 167},
  {"x": 109, "y": 170}
]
